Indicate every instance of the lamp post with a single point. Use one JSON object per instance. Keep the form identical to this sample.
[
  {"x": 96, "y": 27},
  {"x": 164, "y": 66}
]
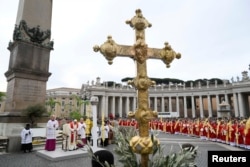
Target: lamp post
[
  {"x": 139, "y": 52},
  {"x": 84, "y": 105},
  {"x": 94, "y": 102},
  {"x": 85, "y": 97}
]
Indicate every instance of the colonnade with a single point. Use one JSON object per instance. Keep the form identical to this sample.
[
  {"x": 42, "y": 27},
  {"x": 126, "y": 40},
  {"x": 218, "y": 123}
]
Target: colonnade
[{"x": 181, "y": 102}]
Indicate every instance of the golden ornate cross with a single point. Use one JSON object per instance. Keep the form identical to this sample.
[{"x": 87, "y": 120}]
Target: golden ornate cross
[{"x": 140, "y": 52}]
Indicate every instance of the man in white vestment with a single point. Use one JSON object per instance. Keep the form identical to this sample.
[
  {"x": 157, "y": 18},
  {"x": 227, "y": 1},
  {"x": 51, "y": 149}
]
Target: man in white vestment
[
  {"x": 82, "y": 132},
  {"x": 51, "y": 128}
]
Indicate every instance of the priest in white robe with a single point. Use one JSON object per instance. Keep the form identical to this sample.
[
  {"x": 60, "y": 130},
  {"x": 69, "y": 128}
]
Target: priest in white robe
[
  {"x": 82, "y": 132},
  {"x": 51, "y": 128}
]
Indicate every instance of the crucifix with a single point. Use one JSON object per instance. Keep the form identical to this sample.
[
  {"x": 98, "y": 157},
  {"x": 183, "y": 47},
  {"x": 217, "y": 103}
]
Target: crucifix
[{"x": 139, "y": 52}]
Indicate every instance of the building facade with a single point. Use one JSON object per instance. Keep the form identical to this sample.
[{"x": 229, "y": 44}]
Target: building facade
[
  {"x": 176, "y": 99},
  {"x": 197, "y": 101},
  {"x": 64, "y": 99}
]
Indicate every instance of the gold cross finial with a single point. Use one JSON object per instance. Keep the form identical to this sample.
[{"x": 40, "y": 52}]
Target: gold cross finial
[{"x": 140, "y": 52}]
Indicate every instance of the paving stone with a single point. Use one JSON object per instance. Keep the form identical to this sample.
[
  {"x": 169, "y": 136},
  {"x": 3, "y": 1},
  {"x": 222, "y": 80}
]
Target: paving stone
[{"x": 173, "y": 142}]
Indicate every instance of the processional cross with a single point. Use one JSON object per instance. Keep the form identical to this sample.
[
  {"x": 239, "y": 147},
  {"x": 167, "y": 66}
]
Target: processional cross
[{"x": 139, "y": 52}]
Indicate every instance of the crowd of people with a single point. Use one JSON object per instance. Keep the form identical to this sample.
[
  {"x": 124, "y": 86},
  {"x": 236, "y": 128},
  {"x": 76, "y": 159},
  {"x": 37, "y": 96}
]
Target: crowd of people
[
  {"x": 76, "y": 133},
  {"x": 77, "y": 136},
  {"x": 231, "y": 131}
]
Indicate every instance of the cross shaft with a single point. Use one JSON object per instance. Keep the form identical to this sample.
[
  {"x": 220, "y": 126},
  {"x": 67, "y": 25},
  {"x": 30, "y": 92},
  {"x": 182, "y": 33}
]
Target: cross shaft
[{"x": 140, "y": 52}]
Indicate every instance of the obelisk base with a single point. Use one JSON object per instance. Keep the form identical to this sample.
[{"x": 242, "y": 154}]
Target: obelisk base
[{"x": 11, "y": 125}]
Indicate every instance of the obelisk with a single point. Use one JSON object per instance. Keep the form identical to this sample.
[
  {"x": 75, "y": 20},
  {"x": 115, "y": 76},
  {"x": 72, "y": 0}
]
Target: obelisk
[{"x": 28, "y": 70}]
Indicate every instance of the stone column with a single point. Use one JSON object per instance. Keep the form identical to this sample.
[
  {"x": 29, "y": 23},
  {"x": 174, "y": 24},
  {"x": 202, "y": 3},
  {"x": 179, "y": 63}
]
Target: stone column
[
  {"x": 193, "y": 107},
  {"x": 177, "y": 105},
  {"x": 104, "y": 105},
  {"x": 149, "y": 102},
  {"x": 94, "y": 102},
  {"x": 185, "y": 106},
  {"x": 155, "y": 103},
  {"x": 134, "y": 103},
  {"x": 162, "y": 104},
  {"x": 209, "y": 105},
  {"x": 170, "y": 104},
  {"x": 241, "y": 105},
  {"x": 127, "y": 106},
  {"x": 236, "y": 106},
  {"x": 107, "y": 106},
  {"x": 226, "y": 98},
  {"x": 113, "y": 105},
  {"x": 120, "y": 106},
  {"x": 218, "y": 105},
  {"x": 201, "y": 107}
]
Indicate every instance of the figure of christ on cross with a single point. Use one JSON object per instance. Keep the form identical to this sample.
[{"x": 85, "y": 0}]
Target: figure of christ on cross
[{"x": 140, "y": 52}]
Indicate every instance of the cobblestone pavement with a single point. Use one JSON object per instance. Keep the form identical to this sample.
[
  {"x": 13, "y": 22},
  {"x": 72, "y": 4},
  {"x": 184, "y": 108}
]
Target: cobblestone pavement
[{"x": 171, "y": 142}]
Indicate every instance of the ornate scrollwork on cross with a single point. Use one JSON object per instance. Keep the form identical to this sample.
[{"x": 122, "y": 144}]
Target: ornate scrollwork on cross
[
  {"x": 108, "y": 49},
  {"x": 168, "y": 54},
  {"x": 141, "y": 49},
  {"x": 142, "y": 83},
  {"x": 143, "y": 145},
  {"x": 35, "y": 35}
]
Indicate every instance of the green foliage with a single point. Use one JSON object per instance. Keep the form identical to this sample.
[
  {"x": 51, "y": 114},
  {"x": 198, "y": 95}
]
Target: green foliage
[
  {"x": 51, "y": 103},
  {"x": 80, "y": 102},
  {"x": 2, "y": 94},
  {"x": 184, "y": 158},
  {"x": 35, "y": 111},
  {"x": 75, "y": 115},
  {"x": 202, "y": 82},
  {"x": 126, "y": 79},
  {"x": 159, "y": 80},
  {"x": 188, "y": 83},
  {"x": 212, "y": 81},
  {"x": 109, "y": 83},
  {"x": 122, "y": 137}
]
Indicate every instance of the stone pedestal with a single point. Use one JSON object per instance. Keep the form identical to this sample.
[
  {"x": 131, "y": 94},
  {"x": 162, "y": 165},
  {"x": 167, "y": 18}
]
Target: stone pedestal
[
  {"x": 13, "y": 130},
  {"x": 224, "y": 113},
  {"x": 224, "y": 110},
  {"x": 27, "y": 76}
]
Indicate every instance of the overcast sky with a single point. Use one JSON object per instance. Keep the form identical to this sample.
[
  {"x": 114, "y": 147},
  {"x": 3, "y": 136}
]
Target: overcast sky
[{"x": 213, "y": 37}]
